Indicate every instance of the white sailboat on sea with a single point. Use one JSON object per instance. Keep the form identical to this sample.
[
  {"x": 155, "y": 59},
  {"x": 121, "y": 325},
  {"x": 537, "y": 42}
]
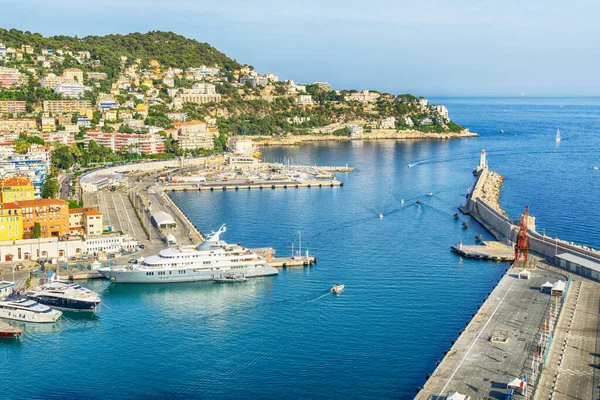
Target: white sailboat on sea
[{"x": 557, "y": 135}]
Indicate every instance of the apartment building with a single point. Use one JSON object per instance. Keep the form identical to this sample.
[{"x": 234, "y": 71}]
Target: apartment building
[
  {"x": 65, "y": 106},
  {"x": 86, "y": 221},
  {"x": 11, "y": 107},
  {"x": 194, "y": 135},
  {"x": 51, "y": 214},
  {"x": 18, "y": 124}
]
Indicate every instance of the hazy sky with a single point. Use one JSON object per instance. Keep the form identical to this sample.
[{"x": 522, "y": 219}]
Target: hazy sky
[{"x": 431, "y": 48}]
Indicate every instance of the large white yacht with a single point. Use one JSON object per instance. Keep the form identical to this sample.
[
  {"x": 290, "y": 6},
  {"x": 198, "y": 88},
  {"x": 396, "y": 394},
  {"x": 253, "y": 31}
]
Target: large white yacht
[
  {"x": 64, "y": 295},
  {"x": 21, "y": 308},
  {"x": 209, "y": 261}
]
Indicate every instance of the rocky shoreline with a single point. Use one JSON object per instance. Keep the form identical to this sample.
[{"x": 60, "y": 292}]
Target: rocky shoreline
[
  {"x": 491, "y": 191},
  {"x": 380, "y": 134}
]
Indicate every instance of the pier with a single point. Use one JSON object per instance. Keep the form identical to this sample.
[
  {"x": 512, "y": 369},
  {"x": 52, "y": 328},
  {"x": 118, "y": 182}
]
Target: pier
[
  {"x": 242, "y": 185},
  {"x": 494, "y": 251},
  {"x": 287, "y": 262}
]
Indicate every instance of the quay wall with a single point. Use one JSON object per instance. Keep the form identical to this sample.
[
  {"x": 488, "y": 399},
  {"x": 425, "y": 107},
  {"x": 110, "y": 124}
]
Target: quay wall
[{"x": 505, "y": 230}]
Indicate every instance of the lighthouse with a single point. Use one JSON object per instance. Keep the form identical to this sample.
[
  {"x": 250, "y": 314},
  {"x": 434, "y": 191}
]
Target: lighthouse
[{"x": 482, "y": 160}]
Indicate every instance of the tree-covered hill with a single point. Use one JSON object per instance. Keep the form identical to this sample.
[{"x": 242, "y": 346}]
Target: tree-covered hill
[{"x": 170, "y": 49}]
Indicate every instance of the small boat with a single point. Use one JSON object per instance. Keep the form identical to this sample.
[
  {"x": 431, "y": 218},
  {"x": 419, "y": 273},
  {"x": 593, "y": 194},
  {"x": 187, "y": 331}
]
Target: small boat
[
  {"x": 337, "y": 289},
  {"x": 418, "y": 201},
  {"x": 20, "y": 308},
  {"x": 402, "y": 201},
  {"x": 465, "y": 225},
  {"x": 557, "y": 135},
  {"x": 380, "y": 215},
  {"x": 231, "y": 278},
  {"x": 430, "y": 194},
  {"x": 456, "y": 216},
  {"x": 501, "y": 130},
  {"x": 478, "y": 238},
  {"x": 410, "y": 165},
  {"x": 595, "y": 168},
  {"x": 9, "y": 332}
]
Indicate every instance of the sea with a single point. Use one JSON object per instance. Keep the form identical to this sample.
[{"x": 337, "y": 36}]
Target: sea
[{"x": 407, "y": 296}]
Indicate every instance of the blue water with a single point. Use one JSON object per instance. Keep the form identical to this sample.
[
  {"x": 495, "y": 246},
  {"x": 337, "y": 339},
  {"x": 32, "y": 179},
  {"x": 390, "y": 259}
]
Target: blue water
[{"x": 407, "y": 296}]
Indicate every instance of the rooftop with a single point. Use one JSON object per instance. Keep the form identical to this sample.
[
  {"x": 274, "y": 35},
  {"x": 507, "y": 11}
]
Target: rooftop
[{"x": 584, "y": 262}]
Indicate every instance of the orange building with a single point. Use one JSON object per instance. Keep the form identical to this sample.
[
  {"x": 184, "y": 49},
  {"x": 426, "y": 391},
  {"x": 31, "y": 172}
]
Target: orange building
[{"x": 51, "y": 214}]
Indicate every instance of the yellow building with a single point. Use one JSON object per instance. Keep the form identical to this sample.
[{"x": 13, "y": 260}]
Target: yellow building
[
  {"x": 11, "y": 222},
  {"x": 154, "y": 63},
  {"x": 16, "y": 188}
]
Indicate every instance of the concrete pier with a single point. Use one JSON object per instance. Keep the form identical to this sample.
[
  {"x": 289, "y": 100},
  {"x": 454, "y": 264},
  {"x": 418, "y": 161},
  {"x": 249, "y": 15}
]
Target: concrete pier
[
  {"x": 495, "y": 251},
  {"x": 287, "y": 262},
  {"x": 198, "y": 187},
  {"x": 498, "y": 343}
]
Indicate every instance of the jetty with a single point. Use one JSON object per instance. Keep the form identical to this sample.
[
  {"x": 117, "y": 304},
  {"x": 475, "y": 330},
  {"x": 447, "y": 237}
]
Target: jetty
[
  {"x": 494, "y": 251},
  {"x": 537, "y": 333},
  {"x": 242, "y": 185},
  {"x": 287, "y": 262}
]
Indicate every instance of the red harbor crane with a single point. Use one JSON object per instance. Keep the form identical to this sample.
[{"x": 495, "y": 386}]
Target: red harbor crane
[{"x": 522, "y": 245}]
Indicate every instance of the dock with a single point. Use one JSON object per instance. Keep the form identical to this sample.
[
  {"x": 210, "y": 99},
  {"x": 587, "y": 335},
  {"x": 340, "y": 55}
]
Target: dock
[
  {"x": 494, "y": 251},
  {"x": 498, "y": 344},
  {"x": 287, "y": 262},
  {"x": 199, "y": 187}
]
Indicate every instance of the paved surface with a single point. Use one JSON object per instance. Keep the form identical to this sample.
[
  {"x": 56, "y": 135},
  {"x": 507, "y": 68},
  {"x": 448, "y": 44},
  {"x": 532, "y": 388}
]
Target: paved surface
[
  {"x": 572, "y": 369},
  {"x": 479, "y": 368},
  {"x": 489, "y": 250}
]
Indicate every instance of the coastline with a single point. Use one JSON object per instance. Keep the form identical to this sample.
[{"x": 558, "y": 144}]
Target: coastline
[{"x": 378, "y": 134}]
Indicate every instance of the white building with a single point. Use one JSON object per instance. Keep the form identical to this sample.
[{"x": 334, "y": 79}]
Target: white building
[
  {"x": 356, "y": 131},
  {"x": 304, "y": 99},
  {"x": 388, "y": 123},
  {"x": 242, "y": 145},
  {"x": 70, "y": 89}
]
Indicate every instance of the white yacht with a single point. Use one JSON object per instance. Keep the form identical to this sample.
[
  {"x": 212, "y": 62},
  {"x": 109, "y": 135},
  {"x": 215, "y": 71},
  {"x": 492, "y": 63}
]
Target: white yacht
[
  {"x": 66, "y": 296},
  {"x": 557, "y": 135},
  {"x": 21, "y": 308},
  {"x": 208, "y": 261}
]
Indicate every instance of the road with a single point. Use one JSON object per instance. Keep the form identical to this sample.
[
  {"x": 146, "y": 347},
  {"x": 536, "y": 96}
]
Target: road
[{"x": 63, "y": 181}]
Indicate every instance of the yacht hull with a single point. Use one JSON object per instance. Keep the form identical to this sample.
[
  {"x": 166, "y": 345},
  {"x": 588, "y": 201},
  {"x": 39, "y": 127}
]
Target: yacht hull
[
  {"x": 177, "y": 276},
  {"x": 66, "y": 304}
]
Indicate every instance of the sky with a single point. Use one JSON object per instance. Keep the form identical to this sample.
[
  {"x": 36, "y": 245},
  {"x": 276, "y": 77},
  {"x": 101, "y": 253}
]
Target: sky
[{"x": 429, "y": 48}]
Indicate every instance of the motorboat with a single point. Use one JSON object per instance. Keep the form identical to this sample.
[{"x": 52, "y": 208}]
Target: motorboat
[
  {"x": 595, "y": 168},
  {"x": 20, "y": 308},
  {"x": 501, "y": 130},
  {"x": 231, "y": 278},
  {"x": 209, "y": 261},
  {"x": 558, "y": 135},
  {"x": 380, "y": 215},
  {"x": 337, "y": 289},
  {"x": 430, "y": 194},
  {"x": 9, "y": 332},
  {"x": 64, "y": 295},
  {"x": 402, "y": 201}
]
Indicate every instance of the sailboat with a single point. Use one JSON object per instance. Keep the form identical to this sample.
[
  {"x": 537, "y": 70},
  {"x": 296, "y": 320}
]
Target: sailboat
[{"x": 557, "y": 135}]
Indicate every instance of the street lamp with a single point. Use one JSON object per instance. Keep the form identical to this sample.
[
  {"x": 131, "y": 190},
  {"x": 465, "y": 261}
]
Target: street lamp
[{"x": 300, "y": 243}]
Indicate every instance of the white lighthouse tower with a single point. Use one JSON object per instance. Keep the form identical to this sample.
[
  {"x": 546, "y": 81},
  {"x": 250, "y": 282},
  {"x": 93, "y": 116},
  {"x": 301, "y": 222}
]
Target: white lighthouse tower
[{"x": 482, "y": 160}]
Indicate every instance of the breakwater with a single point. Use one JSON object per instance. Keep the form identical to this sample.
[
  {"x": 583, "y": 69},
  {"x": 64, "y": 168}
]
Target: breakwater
[{"x": 482, "y": 204}]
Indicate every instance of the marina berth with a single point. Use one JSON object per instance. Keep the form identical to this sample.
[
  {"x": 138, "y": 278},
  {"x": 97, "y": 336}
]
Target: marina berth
[
  {"x": 210, "y": 261},
  {"x": 20, "y": 308},
  {"x": 65, "y": 296}
]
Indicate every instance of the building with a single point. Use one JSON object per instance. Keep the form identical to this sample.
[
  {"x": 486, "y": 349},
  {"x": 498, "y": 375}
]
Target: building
[
  {"x": 2, "y": 50},
  {"x": 73, "y": 74},
  {"x": 70, "y": 89},
  {"x": 297, "y": 120},
  {"x": 200, "y": 93},
  {"x": 97, "y": 76},
  {"x": 51, "y": 214},
  {"x": 177, "y": 116},
  {"x": 50, "y": 80},
  {"x": 442, "y": 111},
  {"x": 423, "y": 102},
  {"x": 194, "y": 135},
  {"x": 25, "y": 48},
  {"x": 364, "y": 97},
  {"x": 304, "y": 99},
  {"x": 242, "y": 145},
  {"x": 11, "y": 222},
  {"x": 48, "y": 124},
  {"x": 16, "y": 188},
  {"x": 18, "y": 124},
  {"x": 425, "y": 121},
  {"x": 63, "y": 137},
  {"x": 356, "y": 131},
  {"x": 10, "y": 77},
  {"x": 149, "y": 143},
  {"x": 65, "y": 106},
  {"x": 388, "y": 123},
  {"x": 87, "y": 221},
  {"x": 271, "y": 77},
  {"x": 12, "y": 107}
]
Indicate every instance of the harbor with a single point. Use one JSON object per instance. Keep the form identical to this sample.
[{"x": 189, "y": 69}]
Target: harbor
[{"x": 521, "y": 341}]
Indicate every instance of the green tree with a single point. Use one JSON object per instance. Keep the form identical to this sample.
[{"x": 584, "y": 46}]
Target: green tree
[
  {"x": 37, "y": 231},
  {"x": 50, "y": 187}
]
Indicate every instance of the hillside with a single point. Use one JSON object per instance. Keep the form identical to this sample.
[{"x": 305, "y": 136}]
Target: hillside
[{"x": 170, "y": 49}]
